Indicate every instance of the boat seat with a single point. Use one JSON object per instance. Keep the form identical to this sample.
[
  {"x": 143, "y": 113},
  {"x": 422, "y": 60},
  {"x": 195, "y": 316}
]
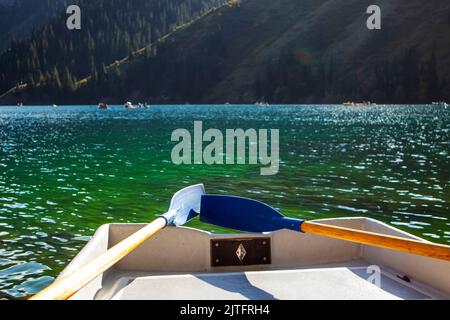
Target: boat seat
[{"x": 325, "y": 283}]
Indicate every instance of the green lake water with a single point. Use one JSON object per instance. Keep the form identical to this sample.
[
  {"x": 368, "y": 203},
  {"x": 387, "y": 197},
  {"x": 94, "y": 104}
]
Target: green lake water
[{"x": 65, "y": 171}]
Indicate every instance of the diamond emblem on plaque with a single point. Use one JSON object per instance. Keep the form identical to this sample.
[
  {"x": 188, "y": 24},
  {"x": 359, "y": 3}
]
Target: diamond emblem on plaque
[{"x": 241, "y": 253}]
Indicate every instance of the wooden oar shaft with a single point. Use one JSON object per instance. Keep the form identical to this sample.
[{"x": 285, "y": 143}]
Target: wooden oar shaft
[
  {"x": 379, "y": 240},
  {"x": 68, "y": 285}
]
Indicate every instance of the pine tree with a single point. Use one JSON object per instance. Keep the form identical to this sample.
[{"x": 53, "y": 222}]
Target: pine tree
[
  {"x": 56, "y": 80},
  {"x": 68, "y": 81}
]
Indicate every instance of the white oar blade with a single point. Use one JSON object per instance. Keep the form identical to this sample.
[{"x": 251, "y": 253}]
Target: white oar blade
[{"x": 185, "y": 205}]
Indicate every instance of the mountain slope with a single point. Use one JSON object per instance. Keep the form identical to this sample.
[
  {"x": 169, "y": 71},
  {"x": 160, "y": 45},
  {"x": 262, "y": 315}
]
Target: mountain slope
[
  {"x": 55, "y": 57},
  {"x": 285, "y": 51},
  {"x": 301, "y": 52},
  {"x": 18, "y": 18},
  {"x": 334, "y": 33}
]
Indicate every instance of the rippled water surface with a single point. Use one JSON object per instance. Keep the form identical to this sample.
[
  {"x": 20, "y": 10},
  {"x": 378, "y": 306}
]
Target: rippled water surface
[{"x": 65, "y": 171}]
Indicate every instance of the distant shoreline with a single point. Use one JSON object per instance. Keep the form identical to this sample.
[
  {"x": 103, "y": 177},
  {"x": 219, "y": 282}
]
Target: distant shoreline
[{"x": 223, "y": 105}]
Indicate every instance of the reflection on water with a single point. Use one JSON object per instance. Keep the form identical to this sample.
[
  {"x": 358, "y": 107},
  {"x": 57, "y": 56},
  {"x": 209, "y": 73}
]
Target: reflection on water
[{"x": 65, "y": 171}]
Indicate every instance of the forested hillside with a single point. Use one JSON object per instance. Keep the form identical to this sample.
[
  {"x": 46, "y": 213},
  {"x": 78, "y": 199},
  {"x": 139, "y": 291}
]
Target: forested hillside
[
  {"x": 283, "y": 51},
  {"x": 19, "y": 17},
  {"x": 53, "y": 58},
  {"x": 305, "y": 51}
]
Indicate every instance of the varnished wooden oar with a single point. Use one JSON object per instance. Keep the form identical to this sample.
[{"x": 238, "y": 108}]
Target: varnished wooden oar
[
  {"x": 184, "y": 206},
  {"x": 67, "y": 286},
  {"x": 254, "y": 216},
  {"x": 428, "y": 249}
]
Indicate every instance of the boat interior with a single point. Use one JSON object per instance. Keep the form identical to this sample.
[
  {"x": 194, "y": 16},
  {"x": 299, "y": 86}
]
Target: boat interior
[{"x": 188, "y": 264}]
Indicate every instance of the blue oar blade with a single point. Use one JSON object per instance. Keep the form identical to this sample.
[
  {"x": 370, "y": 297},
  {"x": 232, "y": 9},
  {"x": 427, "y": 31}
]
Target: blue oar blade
[{"x": 244, "y": 214}]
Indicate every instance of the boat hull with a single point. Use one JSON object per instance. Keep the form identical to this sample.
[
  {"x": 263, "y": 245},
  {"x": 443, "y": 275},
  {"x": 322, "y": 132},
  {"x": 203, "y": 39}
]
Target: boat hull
[{"x": 182, "y": 263}]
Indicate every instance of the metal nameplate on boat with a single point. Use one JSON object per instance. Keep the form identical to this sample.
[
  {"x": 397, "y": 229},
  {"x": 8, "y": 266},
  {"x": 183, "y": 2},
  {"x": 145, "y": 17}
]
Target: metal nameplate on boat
[{"x": 240, "y": 252}]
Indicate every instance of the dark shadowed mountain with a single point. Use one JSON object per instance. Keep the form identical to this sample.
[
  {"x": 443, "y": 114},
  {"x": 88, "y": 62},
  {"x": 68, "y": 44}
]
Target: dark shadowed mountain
[
  {"x": 18, "y": 18},
  {"x": 281, "y": 51}
]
